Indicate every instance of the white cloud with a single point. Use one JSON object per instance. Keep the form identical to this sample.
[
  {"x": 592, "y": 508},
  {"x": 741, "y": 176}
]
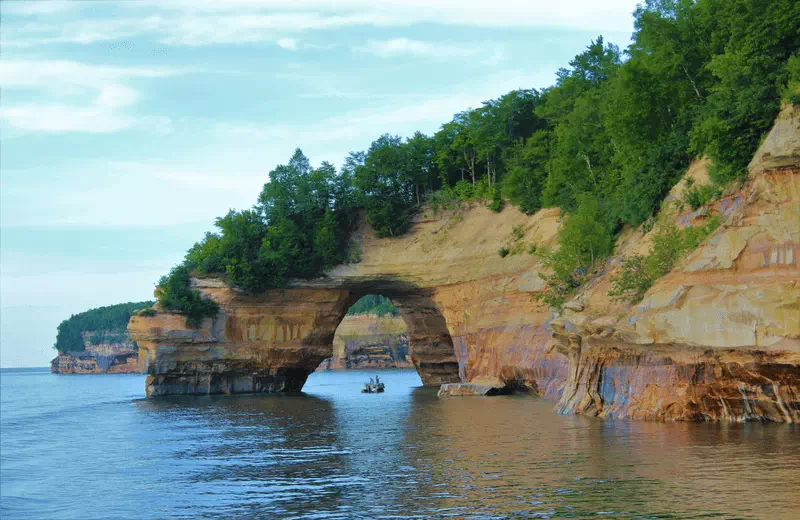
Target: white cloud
[
  {"x": 107, "y": 193},
  {"x": 34, "y": 8},
  {"x": 58, "y": 78},
  {"x": 59, "y": 118},
  {"x": 287, "y": 43},
  {"x": 578, "y": 14},
  {"x": 58, "y": 73},
  {"x": 206, "y": 22},
  {"x": 437, "y": 50},
  {"x": 77, "y": 31},
  {"x": 116, "y": 96}
]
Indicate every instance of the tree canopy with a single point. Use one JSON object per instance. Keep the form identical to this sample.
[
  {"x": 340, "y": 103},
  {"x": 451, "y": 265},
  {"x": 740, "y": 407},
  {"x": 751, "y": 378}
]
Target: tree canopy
[
  {"x": 605, "y": 143},
  {"x": 112, "y": 321}
]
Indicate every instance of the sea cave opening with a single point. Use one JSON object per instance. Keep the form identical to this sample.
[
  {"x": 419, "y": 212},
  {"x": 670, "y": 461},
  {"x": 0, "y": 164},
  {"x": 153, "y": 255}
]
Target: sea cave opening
[
  {"x": 397, "y": 331},
  {"x": 372, "y": 335}
]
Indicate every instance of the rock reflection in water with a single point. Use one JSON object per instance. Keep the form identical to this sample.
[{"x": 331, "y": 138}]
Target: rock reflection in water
[{"x": 91, "y": 448}]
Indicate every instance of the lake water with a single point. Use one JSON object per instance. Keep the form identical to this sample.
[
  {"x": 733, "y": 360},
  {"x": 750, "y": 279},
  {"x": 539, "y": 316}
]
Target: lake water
[{"x": 90, "y": 447}]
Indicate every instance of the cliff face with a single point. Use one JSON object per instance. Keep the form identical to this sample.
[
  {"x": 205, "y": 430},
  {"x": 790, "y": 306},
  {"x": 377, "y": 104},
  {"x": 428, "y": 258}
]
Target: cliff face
[
  {"x": 468, "y": 313},
  {"x": 82, "y": 363},
  {"x": 99, "y": 355},
  {"x": 369, "y": 341},
  {"x": 717, "y": 338}
]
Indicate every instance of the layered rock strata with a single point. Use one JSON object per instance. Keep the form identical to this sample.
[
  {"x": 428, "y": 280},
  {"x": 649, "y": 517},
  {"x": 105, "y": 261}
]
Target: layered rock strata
[
  {"x": 719, "y": 336},
  {"x": 99, "y": 356},
  {"x": 83, "y": 363},
  {"x": 715, "y": 339},
  {"x": 369, "y": 341}
]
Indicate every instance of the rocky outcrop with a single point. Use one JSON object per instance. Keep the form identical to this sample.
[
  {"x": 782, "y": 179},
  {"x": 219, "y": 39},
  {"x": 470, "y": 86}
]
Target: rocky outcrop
[
  {"x": 104, "y": 351},
  {"x": 468, "y": 312},
  {"x": 717, "y": 338},
  {"x": 369, "y": 341},
  {"x": 84, "y": 363}
]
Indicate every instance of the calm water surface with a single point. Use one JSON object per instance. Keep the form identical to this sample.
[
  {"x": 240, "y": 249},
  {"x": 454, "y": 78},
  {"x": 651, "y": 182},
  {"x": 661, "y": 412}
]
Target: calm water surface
[{"x": 92, "y": 447}]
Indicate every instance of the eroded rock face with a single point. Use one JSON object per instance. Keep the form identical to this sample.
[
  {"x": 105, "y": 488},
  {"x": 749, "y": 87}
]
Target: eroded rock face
[
  {"x": 84, "y": 363},
  {"x": 459, "y": 300},
  {"x": 369, "y": 341},
  {"x": 99, "y": 356},
  {"x": 717, "y": 338}
]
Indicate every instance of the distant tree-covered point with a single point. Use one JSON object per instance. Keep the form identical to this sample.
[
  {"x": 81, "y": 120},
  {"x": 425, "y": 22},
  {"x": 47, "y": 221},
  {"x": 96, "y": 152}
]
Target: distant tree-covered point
[
  {"x": 605, "y": 144},
  {"x": 112, "y": 320}
]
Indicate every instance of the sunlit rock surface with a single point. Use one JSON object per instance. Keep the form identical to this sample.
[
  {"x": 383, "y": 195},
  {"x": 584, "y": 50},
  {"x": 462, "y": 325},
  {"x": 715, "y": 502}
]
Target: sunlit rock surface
[{"x": 717, "y": 338}]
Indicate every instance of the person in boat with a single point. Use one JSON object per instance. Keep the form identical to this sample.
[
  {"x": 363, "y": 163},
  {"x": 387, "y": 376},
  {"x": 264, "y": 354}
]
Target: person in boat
[
  {"x": 371, "y": 381},
  {"x": 377, "y": 380}
]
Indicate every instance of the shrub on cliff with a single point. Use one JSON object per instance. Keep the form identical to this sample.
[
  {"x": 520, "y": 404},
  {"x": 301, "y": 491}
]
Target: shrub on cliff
[
  {"x": 585, "y": 239},
  {"x": 638, "y": 273},
  {"x": 108, "y": 323},
  {"x": 175, "y": 293}
]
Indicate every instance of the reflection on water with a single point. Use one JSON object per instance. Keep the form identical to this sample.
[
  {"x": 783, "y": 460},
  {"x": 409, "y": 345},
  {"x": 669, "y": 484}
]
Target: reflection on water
[{"x": 89, "y": 447}]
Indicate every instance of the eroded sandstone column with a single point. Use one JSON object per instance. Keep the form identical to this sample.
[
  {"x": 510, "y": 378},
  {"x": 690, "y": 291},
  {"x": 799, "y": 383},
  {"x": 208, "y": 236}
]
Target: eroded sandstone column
[{"x": 429, "y": 343}]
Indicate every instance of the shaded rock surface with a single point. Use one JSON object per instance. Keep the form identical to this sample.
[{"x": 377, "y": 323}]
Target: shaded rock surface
[
  {"x": 716, "y": 338},
  {"x": 369, "y": 341}
]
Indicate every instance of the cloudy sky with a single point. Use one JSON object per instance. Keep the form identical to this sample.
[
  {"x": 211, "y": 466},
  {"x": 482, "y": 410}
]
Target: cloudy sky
[{"x": 126, "y": 127}]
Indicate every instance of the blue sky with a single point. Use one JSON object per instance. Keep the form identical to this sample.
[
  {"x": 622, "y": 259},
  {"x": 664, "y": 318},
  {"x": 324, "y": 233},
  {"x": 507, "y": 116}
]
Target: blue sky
[{"x": 127, "y": 127}]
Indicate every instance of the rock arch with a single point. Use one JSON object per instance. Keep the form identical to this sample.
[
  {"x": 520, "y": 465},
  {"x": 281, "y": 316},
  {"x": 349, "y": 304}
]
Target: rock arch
[
  {"x": 459, "y": 299},
  {"x": 688, "y": 352},
  {"x": 272, "y": 342}
]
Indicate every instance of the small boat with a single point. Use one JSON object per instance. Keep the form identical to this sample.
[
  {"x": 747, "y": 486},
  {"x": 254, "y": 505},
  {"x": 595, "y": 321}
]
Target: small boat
[{"x": 373, "y": 387}]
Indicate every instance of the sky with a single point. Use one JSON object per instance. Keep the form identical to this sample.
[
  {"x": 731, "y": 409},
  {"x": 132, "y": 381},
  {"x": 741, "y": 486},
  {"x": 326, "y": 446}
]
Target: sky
[{"x": 127, "y": 127}]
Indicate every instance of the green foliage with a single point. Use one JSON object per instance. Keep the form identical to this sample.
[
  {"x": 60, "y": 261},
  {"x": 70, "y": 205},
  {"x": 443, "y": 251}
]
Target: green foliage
[
  {"x": 792, "y": 91},
  {"x": 751, "y": 44},
  {"x": 585, "y": 239},
  {"x": 463, "y": 190},
  {"x": 698, "y": 196},
  {"x": 503, "y": 252},
  {"x": 527, "y": 171},
  {"x": 175, "y": 294},
  {"x": 149, "y": 312},
  {"x": 497, "y": 203},
  {"x": 373, "y": 304},
  {"x": 518, "y": 232},
  {"x": 618, "y": 128},
  {"x": 638, "y": 273},
  {"x": 105, "y": 324},
  {"x": 444, "y": 198}
]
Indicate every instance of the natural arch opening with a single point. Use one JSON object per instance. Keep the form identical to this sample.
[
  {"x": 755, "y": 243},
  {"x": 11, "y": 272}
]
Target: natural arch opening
[
  {"x": 414, "y": 335},
  {"x": 372, "y": 335}
]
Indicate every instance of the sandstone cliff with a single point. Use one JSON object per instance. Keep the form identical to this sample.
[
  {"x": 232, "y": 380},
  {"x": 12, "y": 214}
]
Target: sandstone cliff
[
  {"x": 119, "y": 355},
  {"x": 369, "y": 341},
  {"x": 717, "y": 338}
]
